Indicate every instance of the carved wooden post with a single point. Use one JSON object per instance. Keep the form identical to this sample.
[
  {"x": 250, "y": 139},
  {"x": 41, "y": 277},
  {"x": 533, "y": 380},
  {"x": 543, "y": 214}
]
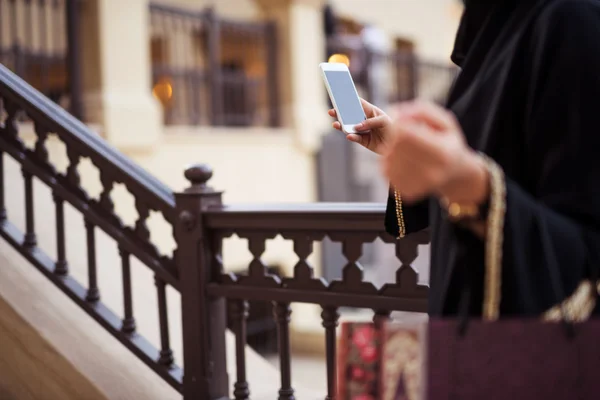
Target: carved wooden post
[{"x": 204, "y": 318}]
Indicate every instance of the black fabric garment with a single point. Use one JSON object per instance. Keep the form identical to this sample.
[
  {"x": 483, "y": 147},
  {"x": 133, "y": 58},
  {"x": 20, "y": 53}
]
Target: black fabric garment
[
  {"x": 529, "y": 97},
  {"x": 475, "y": 16}
]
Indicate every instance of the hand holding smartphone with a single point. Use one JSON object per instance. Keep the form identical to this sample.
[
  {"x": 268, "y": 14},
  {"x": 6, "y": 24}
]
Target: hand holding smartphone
[{"x": 344, "y": 96}]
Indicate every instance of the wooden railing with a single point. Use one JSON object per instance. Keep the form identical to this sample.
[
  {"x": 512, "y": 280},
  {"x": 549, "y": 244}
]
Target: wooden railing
[
  {"x": 18, "y": 98},
  {"x": 40, "y": 42},
  {"x": 212, "y": 71},
  {"x": 351, "y": 225},
  {"x": 395, "y": 76},
  {"x": 200, "y": 222}
]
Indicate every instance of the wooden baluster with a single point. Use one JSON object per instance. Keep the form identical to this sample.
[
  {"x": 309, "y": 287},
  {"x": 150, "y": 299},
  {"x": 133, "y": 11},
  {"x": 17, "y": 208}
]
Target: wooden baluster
[
  {"x": 61, "y": 267},
  {"x": 352, "y": 273},
  {"x": 128, "y": 325},
  {"x": 2, "y": 203},
  {"x": 72, "y": 173},
  {"x": 40, "y": 145},
  {"x": 282, "y": 316},
  {"x": 166, "y": 354},
  {"x": 141, "y": 228},
  {"x": 106, "y": 201},
  {"x": 330, "y": 318},
  {"x": 257, "y": 270},
  {"x": 304, "y": 278},
  {"x": 407, "y": 251},
  {"x": 93, "y": 294},
  {"x": 30, "y": 239},
  {"x": 239, "y": 313},
  {"x": 11, "y": 126},
  {"x": 352, "y": 249}
]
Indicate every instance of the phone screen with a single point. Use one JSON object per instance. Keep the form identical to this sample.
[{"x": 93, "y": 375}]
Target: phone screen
[{"x": 345, "y": 97}]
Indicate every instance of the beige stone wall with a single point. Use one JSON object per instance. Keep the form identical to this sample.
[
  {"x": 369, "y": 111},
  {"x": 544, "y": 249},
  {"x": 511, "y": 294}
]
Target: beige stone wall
[{"x": 117, "y": 72}]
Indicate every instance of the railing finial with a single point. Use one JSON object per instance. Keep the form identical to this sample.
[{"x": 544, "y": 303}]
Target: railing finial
[{"x": 198, "y": 175}]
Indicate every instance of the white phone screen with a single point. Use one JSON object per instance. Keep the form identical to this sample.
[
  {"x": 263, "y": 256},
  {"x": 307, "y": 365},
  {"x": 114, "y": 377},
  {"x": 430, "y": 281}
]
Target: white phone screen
[{"x": 345, "y": 97}]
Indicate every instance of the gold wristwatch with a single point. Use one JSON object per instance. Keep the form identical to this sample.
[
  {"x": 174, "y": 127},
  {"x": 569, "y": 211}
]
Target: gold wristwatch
[{"x": 460, "y": 212}]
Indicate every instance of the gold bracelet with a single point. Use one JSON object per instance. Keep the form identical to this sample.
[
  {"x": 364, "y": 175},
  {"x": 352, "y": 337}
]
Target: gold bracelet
[
  {"x": 399, "y": 215},
  {"x": 458, "y": 212}
]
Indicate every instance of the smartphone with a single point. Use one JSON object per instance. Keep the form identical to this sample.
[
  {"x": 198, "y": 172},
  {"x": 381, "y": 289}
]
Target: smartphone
[{"x": 343, "y": 95}]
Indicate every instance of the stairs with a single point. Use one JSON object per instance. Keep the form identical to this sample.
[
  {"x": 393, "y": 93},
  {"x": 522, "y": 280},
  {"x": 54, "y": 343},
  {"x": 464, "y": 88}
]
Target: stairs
[
  {"x": 26, "y": 354},
  {"x": 59, "y": 349}
]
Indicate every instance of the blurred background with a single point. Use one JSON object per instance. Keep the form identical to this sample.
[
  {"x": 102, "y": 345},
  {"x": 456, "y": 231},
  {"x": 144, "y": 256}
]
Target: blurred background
[{"x": 235, "y": 84}]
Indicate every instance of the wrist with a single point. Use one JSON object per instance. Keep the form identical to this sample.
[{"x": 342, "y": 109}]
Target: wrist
[{"x": 470, "y": 184}]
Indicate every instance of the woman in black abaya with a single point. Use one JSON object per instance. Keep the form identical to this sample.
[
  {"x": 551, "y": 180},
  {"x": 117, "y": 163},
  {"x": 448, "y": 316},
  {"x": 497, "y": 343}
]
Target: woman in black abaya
[{"x": 511, "y": 170}]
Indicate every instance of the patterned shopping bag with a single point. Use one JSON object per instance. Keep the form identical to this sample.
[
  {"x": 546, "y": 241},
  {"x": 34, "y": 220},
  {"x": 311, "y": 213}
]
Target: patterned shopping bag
[
  {"x": 402, "y": 356},
  {"x": 359, "y": 352}
]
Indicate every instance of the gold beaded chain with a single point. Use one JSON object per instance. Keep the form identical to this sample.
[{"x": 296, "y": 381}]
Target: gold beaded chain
[
  {"x": 494, "y": 241},
  {"x": 399, "y": 215}
]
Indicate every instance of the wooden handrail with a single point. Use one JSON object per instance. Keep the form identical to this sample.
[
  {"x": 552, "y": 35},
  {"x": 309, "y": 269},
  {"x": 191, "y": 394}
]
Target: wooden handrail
[
  {"x": 18, "y": 98},
  {"x": 74, "y": 132},
  {"x": 347, "y": 217}
]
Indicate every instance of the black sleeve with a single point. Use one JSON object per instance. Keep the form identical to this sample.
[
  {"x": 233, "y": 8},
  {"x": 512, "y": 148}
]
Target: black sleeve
[
  {"x": 558, "y": 223},
  {"x": 416, "y": 216}
]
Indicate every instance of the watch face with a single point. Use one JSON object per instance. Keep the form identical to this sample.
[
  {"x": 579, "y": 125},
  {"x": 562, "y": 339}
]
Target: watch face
[{"x": 460, "y": 212}]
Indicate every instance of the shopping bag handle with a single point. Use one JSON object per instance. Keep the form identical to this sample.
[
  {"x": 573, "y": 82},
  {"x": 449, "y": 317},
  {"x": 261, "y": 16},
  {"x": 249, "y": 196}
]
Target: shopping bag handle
[{"x": 493, "y": 258}]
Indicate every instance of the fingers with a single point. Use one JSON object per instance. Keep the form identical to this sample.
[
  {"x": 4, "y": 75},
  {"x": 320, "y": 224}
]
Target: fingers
[
  {"x": 379, "y": 122},
  {"x": 397, "y": 111},
  {"x": 433, "y": 115},
  {"x": 416, "y": 141},
  {"x": 355, "y": 138},
  {"x": 336, "y": 125},
  {"x": 367, "y": 107}
]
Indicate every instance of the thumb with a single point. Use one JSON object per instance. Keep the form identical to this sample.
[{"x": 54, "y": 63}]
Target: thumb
[
  {"x": 378, "y": 122},
  {"x": 353, "y": 137},
  {"x": 363, "y": 140}
]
